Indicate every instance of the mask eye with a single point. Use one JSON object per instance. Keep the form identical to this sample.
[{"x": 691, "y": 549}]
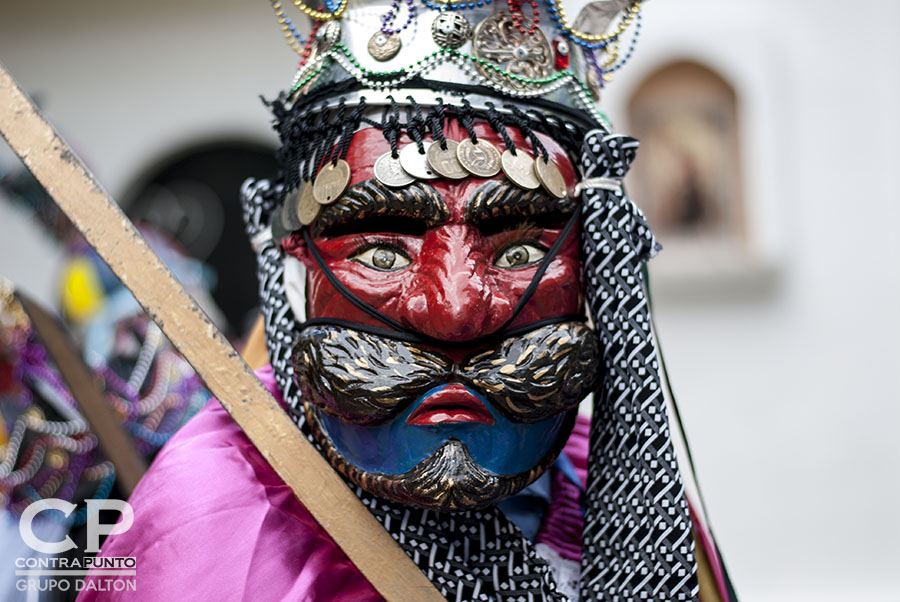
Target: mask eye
[
  {"x": 518, "y": 255},
  {"x": 382, "y": 258}
]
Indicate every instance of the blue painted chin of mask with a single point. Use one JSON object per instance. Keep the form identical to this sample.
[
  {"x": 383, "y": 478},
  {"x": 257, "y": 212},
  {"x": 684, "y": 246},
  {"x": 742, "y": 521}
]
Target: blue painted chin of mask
[{"x": 502, "y": 448}]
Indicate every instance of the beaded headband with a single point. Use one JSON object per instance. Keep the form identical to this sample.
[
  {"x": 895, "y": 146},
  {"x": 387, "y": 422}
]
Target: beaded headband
[{"x": 315, "y": 141}]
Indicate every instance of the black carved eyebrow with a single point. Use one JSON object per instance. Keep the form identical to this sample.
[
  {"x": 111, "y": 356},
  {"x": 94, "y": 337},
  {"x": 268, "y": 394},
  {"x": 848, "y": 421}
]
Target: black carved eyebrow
[
  {"x": 370, "y": 206},
  {"x": 500, "y": 205}
]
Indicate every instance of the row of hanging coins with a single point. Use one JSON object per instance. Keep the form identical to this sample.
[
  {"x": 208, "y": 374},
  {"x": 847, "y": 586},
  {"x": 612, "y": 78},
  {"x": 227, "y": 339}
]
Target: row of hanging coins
[
  {"x": 457, "y": 161},
  {"x": 302, "y": 207},
  {"x": 468, "y": 158}
]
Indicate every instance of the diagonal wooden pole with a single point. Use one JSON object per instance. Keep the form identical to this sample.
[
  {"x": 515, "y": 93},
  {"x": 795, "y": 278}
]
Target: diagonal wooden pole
[{"x": 226, "y": 375}]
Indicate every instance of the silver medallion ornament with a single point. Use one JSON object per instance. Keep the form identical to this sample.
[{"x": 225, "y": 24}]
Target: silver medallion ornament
[
  {"x": 390, "y": 172},
  {"x": 450, "y": 30},
  {"x": 331, "y": 182},
  {"x": 307, "y": 206},
  {"x": 519, "y": 168},
  {"x": 416, "y": 163},
  {"x": 289, "y": 217},
  {"x": 480, "y": 158},
  {"x": 550, "y": 177},
  {"x": 445, "y": 162},
  {"x": 499, "y": 41},
  {"x": 383, "y": 46}
]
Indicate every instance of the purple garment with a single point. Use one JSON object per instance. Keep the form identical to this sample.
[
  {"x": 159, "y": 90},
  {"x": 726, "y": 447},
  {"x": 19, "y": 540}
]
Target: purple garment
[{"x": 212, "y": 521}]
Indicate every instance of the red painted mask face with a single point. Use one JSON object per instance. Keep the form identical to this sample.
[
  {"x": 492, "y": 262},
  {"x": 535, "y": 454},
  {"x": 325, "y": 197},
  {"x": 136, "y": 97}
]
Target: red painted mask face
[
  {"x": 455, "y": 280},
  {"x": 448, "y": 259}
]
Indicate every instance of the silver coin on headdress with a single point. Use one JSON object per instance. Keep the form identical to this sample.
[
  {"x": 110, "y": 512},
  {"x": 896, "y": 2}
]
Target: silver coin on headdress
[
  {"x": 519, "y": 168},
  {"x": 331, "y": 181},
  {"x": 445, "y": 162},
  {"x": 416, "y": 163},
  {"x": 289, "y": 218},
  {"x": 550, "y": 177},
  {"x": 390, "y": 172},
  {"x": 480, "y": 158},
  {"x": 383, "y": 46},
  {"x": 277, "y": 228},
  {"x": 307, "y": 206}
]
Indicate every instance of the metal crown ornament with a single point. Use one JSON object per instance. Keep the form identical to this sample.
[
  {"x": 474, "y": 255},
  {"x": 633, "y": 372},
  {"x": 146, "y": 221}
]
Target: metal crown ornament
[
  {"x": 483, "y": 49},
  {"x": 518, "y": 58}
]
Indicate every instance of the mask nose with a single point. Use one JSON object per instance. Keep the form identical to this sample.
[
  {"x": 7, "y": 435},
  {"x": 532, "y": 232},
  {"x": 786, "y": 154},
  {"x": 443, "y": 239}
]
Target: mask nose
[{"x": 452, "y": 297}]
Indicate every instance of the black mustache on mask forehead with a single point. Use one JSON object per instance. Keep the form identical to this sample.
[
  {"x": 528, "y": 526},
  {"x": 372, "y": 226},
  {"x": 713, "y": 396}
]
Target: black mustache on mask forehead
[{"x": 367, "y": 379}]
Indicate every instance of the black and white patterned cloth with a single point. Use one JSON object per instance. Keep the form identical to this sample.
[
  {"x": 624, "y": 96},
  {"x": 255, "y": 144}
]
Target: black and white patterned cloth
[
  {"x": 637, "y": 538},
  {"x": 637, "y": 542}
]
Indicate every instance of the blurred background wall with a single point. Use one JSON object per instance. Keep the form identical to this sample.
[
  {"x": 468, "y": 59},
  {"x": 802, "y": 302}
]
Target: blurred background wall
[{"x": 768, "y": 171}]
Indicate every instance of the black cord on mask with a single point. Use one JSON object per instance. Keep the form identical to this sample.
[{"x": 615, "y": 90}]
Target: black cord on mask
[{"x": 398, "y": 331}]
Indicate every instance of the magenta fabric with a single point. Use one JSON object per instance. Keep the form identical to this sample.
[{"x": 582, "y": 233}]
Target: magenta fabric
[
  {"x": 564, "y": 522},
  {"x": 214, "y": 522}
]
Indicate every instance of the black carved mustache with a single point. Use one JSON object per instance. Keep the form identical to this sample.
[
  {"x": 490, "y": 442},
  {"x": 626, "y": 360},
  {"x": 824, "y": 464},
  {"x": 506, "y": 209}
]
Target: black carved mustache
[
  {"x": 448, "y": 480},
  {"x": 364, "y": 378}
]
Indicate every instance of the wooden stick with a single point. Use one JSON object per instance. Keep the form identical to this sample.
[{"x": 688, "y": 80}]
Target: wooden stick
[
  {"x": 277, "y": 438},
  {"x": 254, "y": 352},
  {"x": 113, "y": 439}
]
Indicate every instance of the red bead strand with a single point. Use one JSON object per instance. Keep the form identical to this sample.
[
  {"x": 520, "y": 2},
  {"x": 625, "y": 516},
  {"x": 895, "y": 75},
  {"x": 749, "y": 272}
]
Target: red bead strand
[
  {"x": 515, "y": 11},
  {"x": 307, "y": 46}
]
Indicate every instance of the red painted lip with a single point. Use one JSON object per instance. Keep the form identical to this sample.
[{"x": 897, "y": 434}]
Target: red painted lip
[{"x": 453, "y": 403}]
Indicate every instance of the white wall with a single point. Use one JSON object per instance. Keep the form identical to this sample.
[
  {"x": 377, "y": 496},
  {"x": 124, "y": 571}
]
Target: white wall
[
  {"x": 784, "y": 372},
  {"x": 786, "y": 381},
  {"x": 128, "y": 83}
]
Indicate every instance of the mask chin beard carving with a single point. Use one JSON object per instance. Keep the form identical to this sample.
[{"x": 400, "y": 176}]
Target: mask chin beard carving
[{"x": 359, "y": 391}]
